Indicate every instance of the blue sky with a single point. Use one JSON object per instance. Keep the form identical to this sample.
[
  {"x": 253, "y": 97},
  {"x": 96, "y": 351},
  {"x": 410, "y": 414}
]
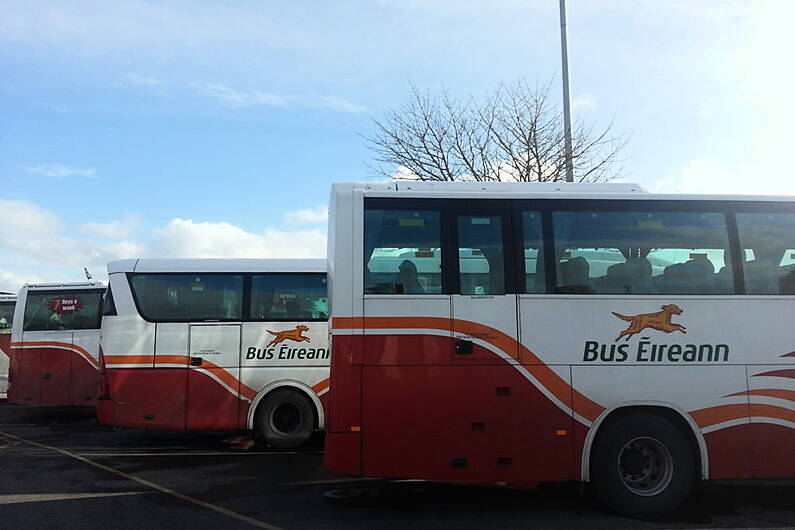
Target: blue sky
[{"x": 213, "y": 129}]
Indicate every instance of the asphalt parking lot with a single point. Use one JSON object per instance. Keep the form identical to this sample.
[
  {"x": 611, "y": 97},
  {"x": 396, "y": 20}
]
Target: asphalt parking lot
[{"x": 59, "y": 469}]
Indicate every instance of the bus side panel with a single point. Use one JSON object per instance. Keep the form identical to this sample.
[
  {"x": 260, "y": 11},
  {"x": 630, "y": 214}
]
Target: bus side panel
[
  {"x": 25, "y": 386},
  {"x": 84, "y": 368},
  {"x": 771, "y": 394},
  {"x": 485, "y": 423},
  {"x": 211, "y": 406},
  {"x": 5, "y": 360},
  {"x": 150, "y": 397},
  {"x": 345, "y": 403},
  {"x": 773, "y": 454},
  {"x": 85, "y": 380},
  {"x": 343, "y": 438},
  {"x": 728, "y": 451},
  {"x": 56, "y": 367}
]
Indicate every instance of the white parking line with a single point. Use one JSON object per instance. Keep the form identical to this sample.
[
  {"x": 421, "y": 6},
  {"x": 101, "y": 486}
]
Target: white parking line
[
  {"x": 44, "y": 497},
  {"x": 148, "y": 483},
  {"x": 194, "y": 453}
]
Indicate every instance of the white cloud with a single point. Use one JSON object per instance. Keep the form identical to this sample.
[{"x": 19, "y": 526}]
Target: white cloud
[
  {"x": 238, "y": 98},
  {"x": 256, "y": 98},
  {"x": 583, "y": 101},
  {"x": 10, "y": 282},
  {"x": 185, "y": 238},
  {"x": 35, "y": 245},
  {"x": 314, "y": 216},
  {"x": 58, "y": 171}
]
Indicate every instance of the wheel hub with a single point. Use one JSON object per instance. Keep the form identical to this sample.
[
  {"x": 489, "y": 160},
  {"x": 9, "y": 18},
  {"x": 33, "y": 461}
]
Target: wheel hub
[{"x": 645, "y": 466}]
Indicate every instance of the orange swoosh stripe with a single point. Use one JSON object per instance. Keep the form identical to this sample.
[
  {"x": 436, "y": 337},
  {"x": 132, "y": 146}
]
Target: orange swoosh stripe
[
  {"x": 723, "y": 413},
  {"x": 324, "y": 384},
  {"x": 64, "y": 345},
  {"x": 768, "y": 392},
  {"x": 563, "y": 391},
  {"x": 221, "y": 373},
  {"x": 777, "y": 373}
]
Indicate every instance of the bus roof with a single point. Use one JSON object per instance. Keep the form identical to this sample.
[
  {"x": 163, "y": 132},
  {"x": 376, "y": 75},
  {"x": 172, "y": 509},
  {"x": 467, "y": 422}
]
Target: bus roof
[
  {"x": 52, "y": 286},
  {"x": 217, "y": 265},
  {"x": 536, "y": 190}
]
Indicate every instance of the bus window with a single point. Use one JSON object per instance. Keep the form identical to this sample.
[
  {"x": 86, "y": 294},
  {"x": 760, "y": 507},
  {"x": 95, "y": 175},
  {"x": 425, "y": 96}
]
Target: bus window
[
  {"x": 188, "y": 297},
  {"x": 6, "y": 316},
  {"x": 480, "y": 255},
  {"x": 769, "y": 249},
  {"x": 604, "y": 252},
  {"x": 402, "y": 253},
  {"x": 533, "y": 244},
  {"x": 293, "y": 297},
  {"x": 57, "y": 310}
]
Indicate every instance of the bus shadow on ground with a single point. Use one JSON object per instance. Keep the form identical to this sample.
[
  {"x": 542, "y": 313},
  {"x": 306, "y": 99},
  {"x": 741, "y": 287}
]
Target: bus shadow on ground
[
  {"x": 15, "y": 414},
  {"x": 708, "y": 501}
]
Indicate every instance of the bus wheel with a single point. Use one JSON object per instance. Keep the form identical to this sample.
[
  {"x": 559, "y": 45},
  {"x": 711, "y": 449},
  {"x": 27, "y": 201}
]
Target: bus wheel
[
  {"x": 642, "y": 466},
  {"x": 285, "y": 418}
]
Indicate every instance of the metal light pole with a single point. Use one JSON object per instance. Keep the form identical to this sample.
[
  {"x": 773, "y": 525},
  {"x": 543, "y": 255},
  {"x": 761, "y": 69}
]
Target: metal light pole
[{"x": 564, "y": 55}]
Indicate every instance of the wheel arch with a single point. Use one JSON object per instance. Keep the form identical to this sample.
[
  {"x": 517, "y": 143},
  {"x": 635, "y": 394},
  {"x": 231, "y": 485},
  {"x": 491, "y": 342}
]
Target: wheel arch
[
  {"x": 287, "y": 383},
  {"x": 660, "y": 408}
]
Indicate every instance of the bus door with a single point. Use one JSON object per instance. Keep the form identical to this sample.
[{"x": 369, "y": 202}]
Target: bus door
[
  {"x": 213, "y": 376},
  {"x": 485, "y": 348},
  {"x": 84, "y": 367},
  {"x": 55, "y": 371},
  {"x": 484, "y": 308}
]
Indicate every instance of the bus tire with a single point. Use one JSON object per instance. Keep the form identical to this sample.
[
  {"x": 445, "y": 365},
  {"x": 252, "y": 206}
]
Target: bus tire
[
  {"x": 285, "y": 418},
  {"x": 642, "y": 466}
]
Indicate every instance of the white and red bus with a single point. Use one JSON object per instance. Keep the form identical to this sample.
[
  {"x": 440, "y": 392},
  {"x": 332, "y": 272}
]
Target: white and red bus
[
  {"x": 7, "y": 302},
  {"x": 216, "y": 344},
  {"x": 54, "y": 345},
  {"x": 561, "y": 332}
]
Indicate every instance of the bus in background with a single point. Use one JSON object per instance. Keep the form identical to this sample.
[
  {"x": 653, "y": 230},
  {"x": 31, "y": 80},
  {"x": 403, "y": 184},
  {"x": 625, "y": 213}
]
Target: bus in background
[
  {"x": 216, "y": 344},
  {"x": 7, "y": 301},
  {"x": 54, "y": 344},
  {"x": 525, "y": 333}
]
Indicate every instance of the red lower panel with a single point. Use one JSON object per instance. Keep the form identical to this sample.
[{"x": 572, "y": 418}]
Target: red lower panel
[
  {"x": 148, "y": 397},
  {"x": 210, "y": 405},
  {"x": 343, "y": 453},
  {"x": 729, "y": 452},
  {"x": 105, "y": 412},
  {"x": 773, "y": 451},
  {"x": 56, "y": 376},
  {"x": 25, "y": 388},
  {"x": 482, "y": 423},
  {"x": 345, "y": 401},
  {"x": 84, "y": 381}
]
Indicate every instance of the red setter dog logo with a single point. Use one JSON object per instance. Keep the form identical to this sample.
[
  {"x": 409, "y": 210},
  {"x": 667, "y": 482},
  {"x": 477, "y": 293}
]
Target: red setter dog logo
[
  {"x": 661, "y": 321},
  {"x": 289, "y": 334}
]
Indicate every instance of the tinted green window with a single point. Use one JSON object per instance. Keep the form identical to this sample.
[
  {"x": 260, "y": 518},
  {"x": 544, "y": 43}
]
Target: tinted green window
[
  {"x": 6, "y": 316},
  {"x": 481, "y": 266},
  {"x": 292, "y": 297},
  {"x": 606, "y": 252},
  {"x": 402, "y": 252},
  {"x": 61, "y": 310},
  {"x": 533, "y": 252},
  {"x": 189, "y": 297},
  {"x": 768, "y": 243}
]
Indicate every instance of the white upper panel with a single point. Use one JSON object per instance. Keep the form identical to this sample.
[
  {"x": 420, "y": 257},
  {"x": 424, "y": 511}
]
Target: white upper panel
[
  {"x": 65, "y": 286},
  {"x": 531, "y": 190},
  {"x": 217, "y": 265}
]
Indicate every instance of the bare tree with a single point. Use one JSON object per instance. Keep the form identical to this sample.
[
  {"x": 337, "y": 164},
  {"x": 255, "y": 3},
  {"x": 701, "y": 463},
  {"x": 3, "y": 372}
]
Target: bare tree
[{"x": 514, "y": 134}]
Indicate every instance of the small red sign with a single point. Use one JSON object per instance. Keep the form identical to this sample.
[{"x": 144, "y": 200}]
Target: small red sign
[{"x": 64, "y": 305}]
